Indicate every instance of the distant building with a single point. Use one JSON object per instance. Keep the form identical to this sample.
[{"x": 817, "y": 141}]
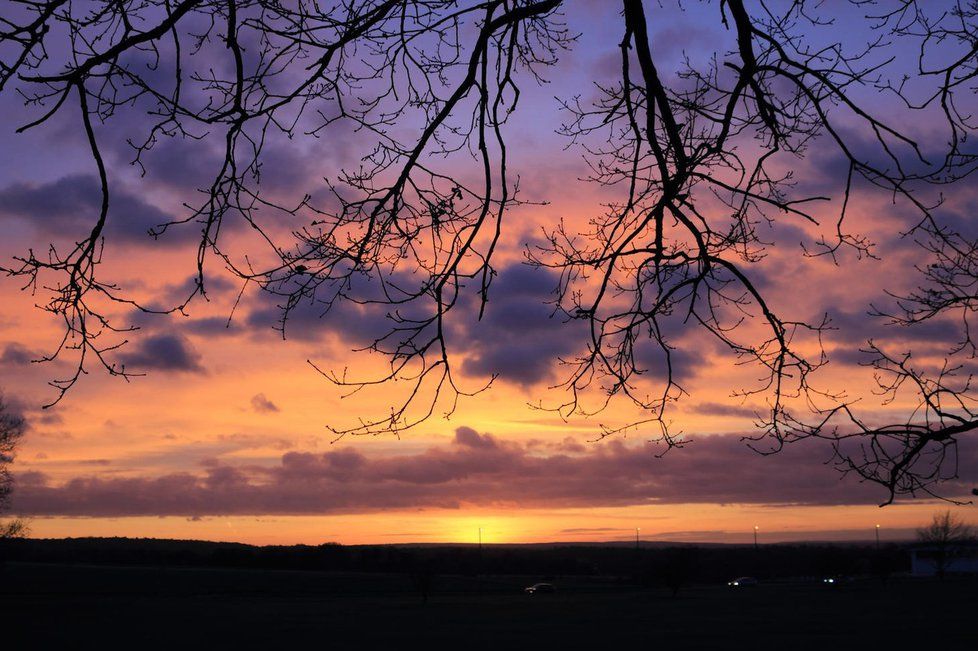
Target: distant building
[{"x": 927, "y": 560}]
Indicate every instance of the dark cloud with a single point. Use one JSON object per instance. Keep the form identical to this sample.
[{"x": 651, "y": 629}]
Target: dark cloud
[
  {"x": 17, "y": 355},
  {"x": 825, "y": 166},
  {"x": 685, "y": 359},
  {"x": 263, "y": 405},
  {"x": 162, "y": 352},
  {"x": 474, "y": 469},
  {"x": 356, "y": 319},
  {"x": 824, "y": 169},
  {"x": 209, "y": 326},
  {"x": 215, "y": 285},
  {"x": 304, "y": 323},
  {"x": 182, "y": 163},
  {"x": 468, "y": 437},
  {"x": 853, "y": 356},
  {"x": 855, "y": 328},
  {"x": 310, "y": 321},
  {"x": 958, "y": 212},
  {"x": 69, "y": 207},
  {"x": 732, "y": 411},
  {"x": 36, "y": 419},
  {"x": 288, "y": 168},
  {"x": 48, "y": 417},
  {"x": 519, "y": 338}
]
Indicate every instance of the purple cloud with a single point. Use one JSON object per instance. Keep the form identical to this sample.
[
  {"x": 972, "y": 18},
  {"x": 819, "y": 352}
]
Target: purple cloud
[
  {"x": 474, "y": 469},
  {"x": 470, "y": 438},
  {"x": 70, "y": 205},
  {"x": 519, "y": 338},
  {"x": 162, "y": 352},
  {"x": 17, "y": 355},
  {"x": 732, "y": 411},
  {"x": 263, "y": 405}
]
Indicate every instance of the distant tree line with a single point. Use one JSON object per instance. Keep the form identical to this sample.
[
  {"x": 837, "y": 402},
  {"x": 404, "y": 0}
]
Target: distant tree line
[{"x": 651, "y": 567}]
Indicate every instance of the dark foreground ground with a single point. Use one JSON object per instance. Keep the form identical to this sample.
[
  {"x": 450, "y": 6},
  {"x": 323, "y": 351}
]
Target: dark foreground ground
[{"x": 61, "y": 606}]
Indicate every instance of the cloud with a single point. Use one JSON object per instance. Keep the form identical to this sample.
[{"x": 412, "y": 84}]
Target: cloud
[
  {"x": 519, "y": 337},
  {"x": 854, "y": 356},
  {"x": 70, "y": 205},
  {"x": 215, "y": 285},
  {"x": 263, "y": 405},
  {"x": 17, "y": 355},
  {"x": 523, "y": 341},
  {"x": 357, "y": 318},
  {"x": 208, "y": 326},
  {"x": 468, "y": 437},
  {"x": 181, "y": 163},
  {"x": 855, "y": 328},
  {"x": 162, "y": 352},
  {"x": 474, "y": 469},
  {"x": 734, "y": 411}
]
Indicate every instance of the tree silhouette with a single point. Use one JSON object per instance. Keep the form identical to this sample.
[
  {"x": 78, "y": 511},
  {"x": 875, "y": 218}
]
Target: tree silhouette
[
  {"x": 697, "y": 159},
  {"x": 945, "y": 535},
  {"x": 11, "y": 429}
]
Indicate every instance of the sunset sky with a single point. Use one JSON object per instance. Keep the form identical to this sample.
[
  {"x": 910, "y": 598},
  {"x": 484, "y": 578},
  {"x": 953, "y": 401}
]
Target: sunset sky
[{"x": 226, "y": 435}]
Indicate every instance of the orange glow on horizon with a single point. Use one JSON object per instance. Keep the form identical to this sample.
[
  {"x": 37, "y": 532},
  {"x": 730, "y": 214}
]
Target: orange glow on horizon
[{"x": 681, "y": 523}]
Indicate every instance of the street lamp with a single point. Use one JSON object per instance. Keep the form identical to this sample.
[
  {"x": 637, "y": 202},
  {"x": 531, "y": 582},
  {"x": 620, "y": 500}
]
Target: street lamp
[
  {"x": 479, "y": 571},
  {"x": 877, "y": 537},
  {"x": 637, "y": 529},
  {"x": 755, "y": 536}
]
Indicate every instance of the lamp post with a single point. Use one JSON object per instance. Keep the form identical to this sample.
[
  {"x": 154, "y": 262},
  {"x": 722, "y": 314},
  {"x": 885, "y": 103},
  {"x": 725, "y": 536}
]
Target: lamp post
[
  {"x": 637, "y": 529},
  {"x": 877, "y": 538},
  {"x": 479, "y": 571},
  {"x": 755, "y": 537}
]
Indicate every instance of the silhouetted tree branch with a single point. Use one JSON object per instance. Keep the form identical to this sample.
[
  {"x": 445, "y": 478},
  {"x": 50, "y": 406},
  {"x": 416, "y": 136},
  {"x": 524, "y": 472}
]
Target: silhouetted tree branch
[{"x": 699, "y": 160}]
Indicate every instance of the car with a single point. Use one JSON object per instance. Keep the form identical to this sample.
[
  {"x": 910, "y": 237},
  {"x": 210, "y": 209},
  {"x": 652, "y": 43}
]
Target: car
[
  {"x": 836, "y": 579},
  {"x": 540, "y": 588},
  {"x": 743, "y": 582}
]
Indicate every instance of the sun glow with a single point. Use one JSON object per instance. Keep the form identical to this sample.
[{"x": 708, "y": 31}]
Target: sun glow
[{"x": 489, "y": 529}]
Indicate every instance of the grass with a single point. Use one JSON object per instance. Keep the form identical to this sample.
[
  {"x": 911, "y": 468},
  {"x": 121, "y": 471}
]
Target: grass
[{"x": 66, "y": 606}]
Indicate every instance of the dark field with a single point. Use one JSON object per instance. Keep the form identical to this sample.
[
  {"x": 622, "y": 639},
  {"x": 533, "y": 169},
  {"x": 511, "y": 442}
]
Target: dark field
[{"x": 45, "y": 605}]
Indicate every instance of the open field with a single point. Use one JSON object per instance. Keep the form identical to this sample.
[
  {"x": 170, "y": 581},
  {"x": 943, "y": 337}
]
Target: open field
[{"x": 46, "y": 605}]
